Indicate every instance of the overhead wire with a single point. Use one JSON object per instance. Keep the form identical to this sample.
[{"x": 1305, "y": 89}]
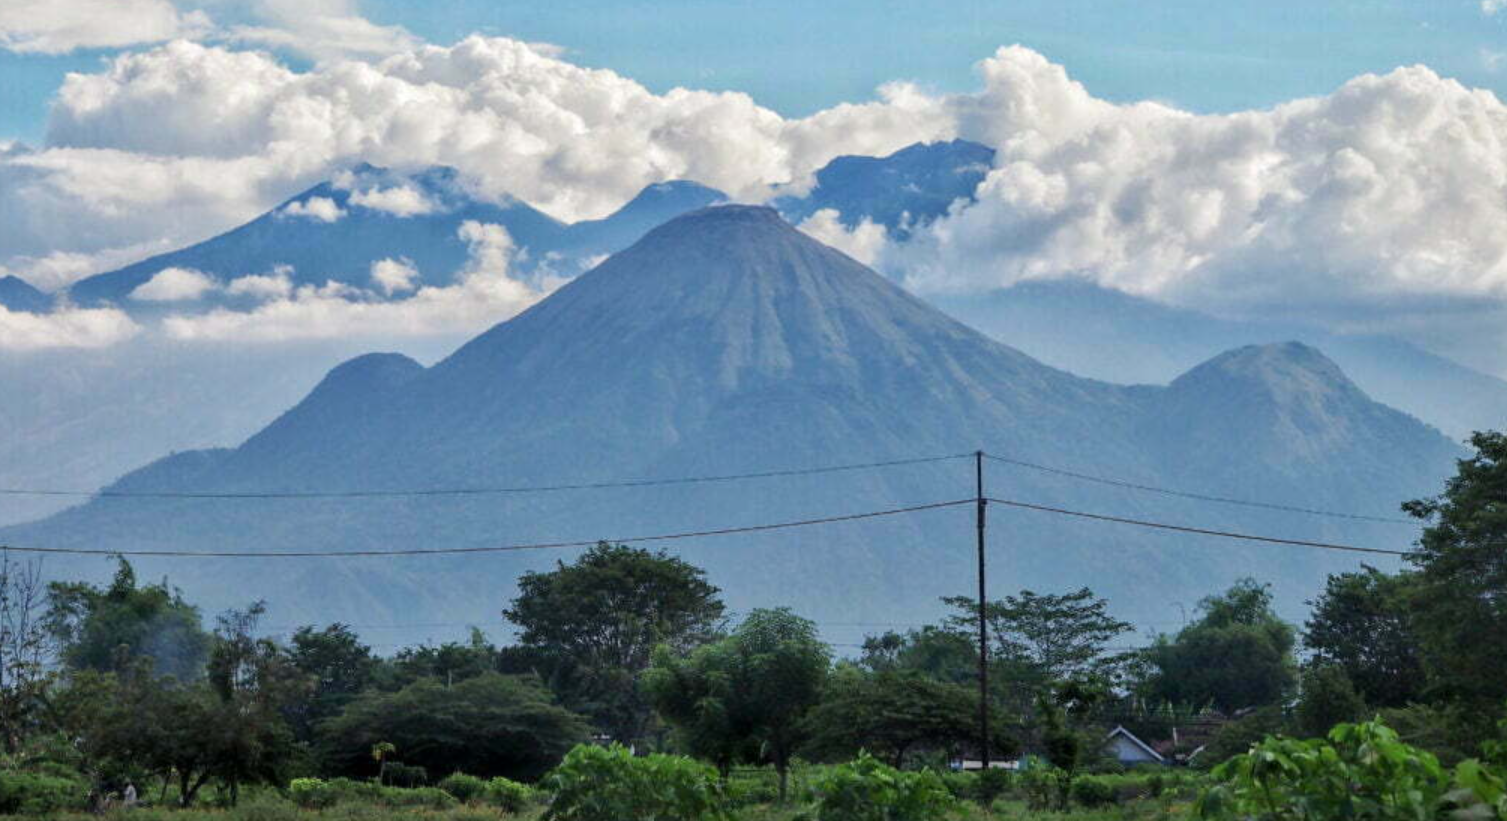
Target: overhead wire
[
  {"x": 1202, "y": 497},
  {"x": 443, "y": 551},
  {"x": 481, "y": 491}
]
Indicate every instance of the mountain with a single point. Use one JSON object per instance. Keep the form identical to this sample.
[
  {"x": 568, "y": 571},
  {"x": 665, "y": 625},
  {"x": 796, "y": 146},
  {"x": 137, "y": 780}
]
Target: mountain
[
  {"x": 725, "y": 342},
  {"x": 337, "y": 229},
  {"x": 1111, "y": 335},
  {"x": 17, "y": 294},
  {"x": 911, "y": 187}
]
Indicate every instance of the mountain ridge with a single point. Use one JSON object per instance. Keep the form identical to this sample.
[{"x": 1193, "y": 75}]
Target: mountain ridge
[{"x": 725, "y": 341}]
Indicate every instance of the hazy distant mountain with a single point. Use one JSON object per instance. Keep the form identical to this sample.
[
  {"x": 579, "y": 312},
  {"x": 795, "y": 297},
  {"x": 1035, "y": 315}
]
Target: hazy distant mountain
[
  {"x": 17, "y": 294},
  {"x": 725, "y": 341},
  {"x": 337, "y": 230},
  {"x": 1111, "y": 335},
  {"x": 911, "y": 187}
]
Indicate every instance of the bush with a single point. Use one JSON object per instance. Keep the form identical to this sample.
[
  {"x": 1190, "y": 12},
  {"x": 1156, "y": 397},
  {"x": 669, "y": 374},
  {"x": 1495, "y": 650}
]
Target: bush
[
  {"x": 610, "y": 784},
  {"x": 1361, "y": 771},
  {"x": 33, "y": 794},
  {"x": 866, "y": 789},
  {"x": 1044, "y": 787},
  {"x": 1094, "y": 791},
  {"x": 465, "y": 788},
  {"x": 990, "y": 784},
  {"x": 507, "y": 795},
  {"x": 311, "y": 793}
]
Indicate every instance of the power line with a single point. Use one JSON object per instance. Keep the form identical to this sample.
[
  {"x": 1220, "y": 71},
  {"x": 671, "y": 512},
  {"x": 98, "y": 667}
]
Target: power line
[
  {"x": 479, "y": 491},
  {"x": 726, "y": 531},
  {"x": 1225, "y": 534},
  {"x": 1224, "y": 500}
]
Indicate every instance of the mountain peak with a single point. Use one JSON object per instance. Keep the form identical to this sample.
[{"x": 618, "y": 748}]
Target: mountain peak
[
  {"x": 1283, "y": 367},
  {"x": 16, "y": 294}
]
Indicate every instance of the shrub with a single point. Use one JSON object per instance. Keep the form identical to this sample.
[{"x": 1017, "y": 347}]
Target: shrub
[
  {"x": 990, "y": 784},
  {"x": 312, "y": 793},
  {"x": 1362, "y": 771},
  {"x": 1094, "y": 791},
  {"x": 33, "y": 794},
  {"x": 1044, "y": 787},
  {"x": 507, "y": 795},
  {"x": 465, "y": 788},
  {"x": 866, "y": 789},
  {"x": 610, "y": 784}
]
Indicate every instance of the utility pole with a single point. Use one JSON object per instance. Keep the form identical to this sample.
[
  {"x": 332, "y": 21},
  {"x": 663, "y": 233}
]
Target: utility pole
[{"x": 981, "y": 503}]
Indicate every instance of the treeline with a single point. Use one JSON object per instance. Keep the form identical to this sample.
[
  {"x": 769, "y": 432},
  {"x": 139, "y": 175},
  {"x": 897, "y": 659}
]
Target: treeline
[{"x": 125, "y": 683}]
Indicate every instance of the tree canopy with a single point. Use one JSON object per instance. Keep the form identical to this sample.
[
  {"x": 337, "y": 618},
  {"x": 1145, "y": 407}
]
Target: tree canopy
[
  {"x": 602, "y": 616},
  {"x": 486, "y": 725},
  {"x": 1238, "y": 654},
  {"x": 1460, "y": 601}
]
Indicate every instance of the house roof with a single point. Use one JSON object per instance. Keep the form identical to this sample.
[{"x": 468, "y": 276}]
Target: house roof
[{"x": 1131, "y": 737}]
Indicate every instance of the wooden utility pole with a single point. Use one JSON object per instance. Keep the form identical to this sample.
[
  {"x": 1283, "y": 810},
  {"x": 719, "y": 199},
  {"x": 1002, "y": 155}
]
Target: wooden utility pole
[{"x": 981, "y": 504}]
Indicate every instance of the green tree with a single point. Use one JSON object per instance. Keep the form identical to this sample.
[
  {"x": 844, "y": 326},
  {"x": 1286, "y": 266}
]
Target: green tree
[
  {"x": 24, "y": 674},
  {"x": 449, "y": 662},
  {"x": 486, "y": 725},
  {"x": 781, "y": 667},
  {"x": 891, "y": 713},
  {"x": 603, "y": 615},
  {"x": 1460, "y": 603},
  {"x": 254, "y": 682},
  {"x": 932, "y": 651},
  {"x": 1041, "y": 638},
  {"x": 105, "y": 629},
  {"x": 1238, "y": 654},
  {"x": 751, "y": 690},
  {"x": 1327, "y": 699},
  {"x": 1362, "y": 624},
  {"x": 694, "y": 694},
  {"x": 338, "y": 667}
]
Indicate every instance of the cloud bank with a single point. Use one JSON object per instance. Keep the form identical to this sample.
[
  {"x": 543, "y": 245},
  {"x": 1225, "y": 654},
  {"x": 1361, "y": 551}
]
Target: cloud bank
[{"x": 1386, "y": 198}]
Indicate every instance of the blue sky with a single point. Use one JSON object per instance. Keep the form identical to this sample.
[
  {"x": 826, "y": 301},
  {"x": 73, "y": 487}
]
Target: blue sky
[{"x": 798, "y": 57}]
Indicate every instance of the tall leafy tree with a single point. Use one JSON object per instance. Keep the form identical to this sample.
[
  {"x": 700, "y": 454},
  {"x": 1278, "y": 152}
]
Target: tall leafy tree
[
  {"x": 24, "y": 673},
  {"x": 107, "y": 628},
  {"x": 1460, "y": 601},
  {"x": 749, "y": 691},
  {"x": 891, "y": 713},
  {"x": 254, "y": 681},
  {"x": 1041, "y": 638},
  {"x": 338, "y": 665},
  {"x": 1362, "y": 624},
  {"x": 603, "y": 615},
  {"x": 486, "y": 725},
  {"x": 932, "y": 651},
  {"x": 1328, "y": 698},
  {"x": 1238, "y": 654}
]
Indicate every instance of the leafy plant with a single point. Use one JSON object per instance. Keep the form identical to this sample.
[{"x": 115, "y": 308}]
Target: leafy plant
[
  {"x": 611, "y": 784},
  {"x": 866, "y": 789},
  {"x": 1094, "y": 791},
  {"x": 1363, "y": 771},
  {"x": 507, "y": 795},
  {"x": 465, "y": 788}
]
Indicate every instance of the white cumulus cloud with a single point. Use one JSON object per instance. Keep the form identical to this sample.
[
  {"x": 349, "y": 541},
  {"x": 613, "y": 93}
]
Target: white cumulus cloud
[
  {"x": 866, "y": 242},
  {"x": 322, "y": 209},
  {"x": 398, "y": 200},
  {"x": 61, "y": 26},
  {"x": 394, "y": 275},
  {"x": 65, "y": 328},
  {"x": 174, "y": 285},
  {"x": 484, "y": 293}
]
